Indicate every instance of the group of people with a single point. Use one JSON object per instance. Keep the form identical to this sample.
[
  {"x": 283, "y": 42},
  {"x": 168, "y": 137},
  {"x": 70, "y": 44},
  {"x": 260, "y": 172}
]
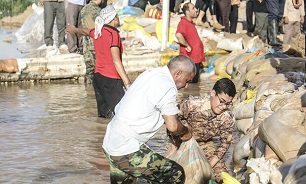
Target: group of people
[
  {"x": 79, "y": 13},
  {"x": 138, "y": 110},
  {"x": 57, "y": 10},
  {"x": 273, "y": 17},
  {"x": 150, "y": 103},
  {"x": 224, "y": 14}
]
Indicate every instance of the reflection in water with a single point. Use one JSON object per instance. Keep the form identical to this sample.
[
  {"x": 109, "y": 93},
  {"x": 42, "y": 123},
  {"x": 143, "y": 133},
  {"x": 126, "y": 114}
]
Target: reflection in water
[{"x": 50, "y": 133}]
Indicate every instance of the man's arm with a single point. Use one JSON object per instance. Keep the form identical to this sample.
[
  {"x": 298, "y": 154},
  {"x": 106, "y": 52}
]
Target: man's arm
[
  {"x": 226, "y": 137},
  {"x": 119, "y": 66},
  {"x": 176, "y": 128},
  {"x": 71, "y": 29},
  {"x": 183, "y": 41}
]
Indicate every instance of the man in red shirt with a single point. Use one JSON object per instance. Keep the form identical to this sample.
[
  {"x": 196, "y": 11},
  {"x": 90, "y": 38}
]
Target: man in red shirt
[
  {"x": 190, "y": 43},
  {"x": 110, "y": 78}
]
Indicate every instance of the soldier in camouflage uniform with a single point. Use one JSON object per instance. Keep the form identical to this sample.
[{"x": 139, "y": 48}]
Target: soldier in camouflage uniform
[
  {"x": 209, "y": 116},
  {"x": 88, "y": 16}
]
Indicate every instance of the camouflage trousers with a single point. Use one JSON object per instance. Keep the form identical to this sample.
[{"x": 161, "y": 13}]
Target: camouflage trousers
[
  {"x": 89, "y": 58},
  {"x": 144, "y": 164}
]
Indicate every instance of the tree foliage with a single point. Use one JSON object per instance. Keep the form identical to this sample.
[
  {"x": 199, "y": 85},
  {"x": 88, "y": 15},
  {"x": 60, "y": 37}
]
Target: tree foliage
[{"x": 14, "y": 7}]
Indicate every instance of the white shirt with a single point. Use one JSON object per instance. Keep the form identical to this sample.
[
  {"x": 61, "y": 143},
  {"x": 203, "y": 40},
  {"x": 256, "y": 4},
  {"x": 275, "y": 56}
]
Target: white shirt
[
  {"x": 139, "y": 113},
  {"x": 78, "y": 2}
]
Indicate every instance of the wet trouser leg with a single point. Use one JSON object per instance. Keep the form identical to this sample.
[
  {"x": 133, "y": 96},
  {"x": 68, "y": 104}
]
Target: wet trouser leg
[
  {"x": 212, "y": 7},
  {"x": 274, "y": 10},
  {"x": 89, "y": 58},
  {"x": 108, "y": 93},
  {"x": 147, "y": 165},
  {"x": 202, "y": 5},
  {"x": 261, "y": 27}
]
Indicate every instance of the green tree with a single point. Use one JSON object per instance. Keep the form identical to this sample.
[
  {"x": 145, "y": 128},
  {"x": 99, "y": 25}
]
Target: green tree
[{"x": 14, "y": 7}]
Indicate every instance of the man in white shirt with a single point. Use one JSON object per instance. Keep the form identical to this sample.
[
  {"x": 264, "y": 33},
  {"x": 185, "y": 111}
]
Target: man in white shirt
[{"x": 147, "y": 105}]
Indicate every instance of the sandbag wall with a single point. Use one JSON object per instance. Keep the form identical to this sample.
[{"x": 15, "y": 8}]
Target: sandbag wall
[{"x": 267, "y": 109}]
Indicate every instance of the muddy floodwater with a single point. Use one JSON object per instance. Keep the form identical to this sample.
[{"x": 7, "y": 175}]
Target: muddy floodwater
[{"x": 50, "y": 133}]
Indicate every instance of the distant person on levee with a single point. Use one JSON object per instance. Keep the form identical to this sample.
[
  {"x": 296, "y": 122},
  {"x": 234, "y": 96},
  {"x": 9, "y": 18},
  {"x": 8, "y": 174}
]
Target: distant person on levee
[
  {"x": 190, "y": 43},
  {"x": 110, "y": 78},
  {"x": 54, "y": 10}
]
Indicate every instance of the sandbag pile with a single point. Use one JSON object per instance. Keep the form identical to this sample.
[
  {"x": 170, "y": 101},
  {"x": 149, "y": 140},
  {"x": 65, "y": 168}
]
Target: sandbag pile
[{"x": 267, "y": 106}]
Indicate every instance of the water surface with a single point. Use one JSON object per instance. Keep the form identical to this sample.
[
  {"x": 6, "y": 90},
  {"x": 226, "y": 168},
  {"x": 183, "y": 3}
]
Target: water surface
[{"x": 50, "y": 133}]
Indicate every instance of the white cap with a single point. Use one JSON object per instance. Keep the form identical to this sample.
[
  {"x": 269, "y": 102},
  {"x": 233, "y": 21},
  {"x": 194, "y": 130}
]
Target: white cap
[{"x": 107, "y": 14}]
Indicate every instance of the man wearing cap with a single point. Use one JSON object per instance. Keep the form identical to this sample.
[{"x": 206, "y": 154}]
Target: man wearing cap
[{"x": 110, "y": 79}]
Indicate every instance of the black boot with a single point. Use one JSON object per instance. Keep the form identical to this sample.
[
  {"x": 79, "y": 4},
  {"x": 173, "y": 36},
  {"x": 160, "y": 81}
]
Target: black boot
[
  {"x": 272, "y": 33},
  {"x": 280, "y": 27}
]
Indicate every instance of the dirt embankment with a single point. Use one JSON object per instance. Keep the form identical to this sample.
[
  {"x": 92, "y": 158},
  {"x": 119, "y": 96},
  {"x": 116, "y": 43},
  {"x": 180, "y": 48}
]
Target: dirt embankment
[{"x": 16, "y": 21}]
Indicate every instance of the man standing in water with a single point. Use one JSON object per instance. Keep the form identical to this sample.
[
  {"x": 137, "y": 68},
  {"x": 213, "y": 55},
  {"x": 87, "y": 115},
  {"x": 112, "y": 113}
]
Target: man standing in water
[
  {"x": 190, "y": 43},
  {"x": 147, "y": 105},
  {"x": 110, "y": 78},
  {"x": 88, "y": 16},
  {"x": 210, "y": 116}
]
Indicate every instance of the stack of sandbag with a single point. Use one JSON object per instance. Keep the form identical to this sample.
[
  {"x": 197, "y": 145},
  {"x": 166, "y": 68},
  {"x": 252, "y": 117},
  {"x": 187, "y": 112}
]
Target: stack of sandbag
[
  {"x": 263, "y": 83},
  {"x": 285, "y": 130}
]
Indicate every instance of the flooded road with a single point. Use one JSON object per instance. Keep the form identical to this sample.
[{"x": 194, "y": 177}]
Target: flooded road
[{"x": 50, "y": 133}]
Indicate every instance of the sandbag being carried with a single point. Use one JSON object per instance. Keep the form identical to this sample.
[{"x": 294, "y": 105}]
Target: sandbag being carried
[{"x": 192, "y": 158}]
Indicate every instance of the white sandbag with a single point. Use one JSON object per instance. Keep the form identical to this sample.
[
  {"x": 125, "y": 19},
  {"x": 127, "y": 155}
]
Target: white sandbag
[
  {"x": 150, "y": 28},
  {"x": 282, "y": 131},
  {"x": 268, "y": 88},
  {"x": 264, "y": 170},
  {"x": 232, "y": 57},
  {"x": 265, "y": 102},
  {"x": 243, "y": 125},
  {"x": 261, "y": 115},
  {"x": 287, "y": 101},
  {"x": 254, "y": 42},
  {"x": 260, "y": 77},
  {"x": 241, "y": 152},
  {"x": 244, "y": 110},
  {"x": 192, "y": 158},
  {"x": 143, "y": 21},
  {"x": 230, "y": 44},
  {"x": 151, "y": 43}
]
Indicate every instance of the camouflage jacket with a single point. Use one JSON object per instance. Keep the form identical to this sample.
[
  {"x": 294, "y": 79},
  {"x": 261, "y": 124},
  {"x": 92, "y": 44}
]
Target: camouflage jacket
[
  {"x": 196, "y": 111},
  {"x": 88, "y": 15}
]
